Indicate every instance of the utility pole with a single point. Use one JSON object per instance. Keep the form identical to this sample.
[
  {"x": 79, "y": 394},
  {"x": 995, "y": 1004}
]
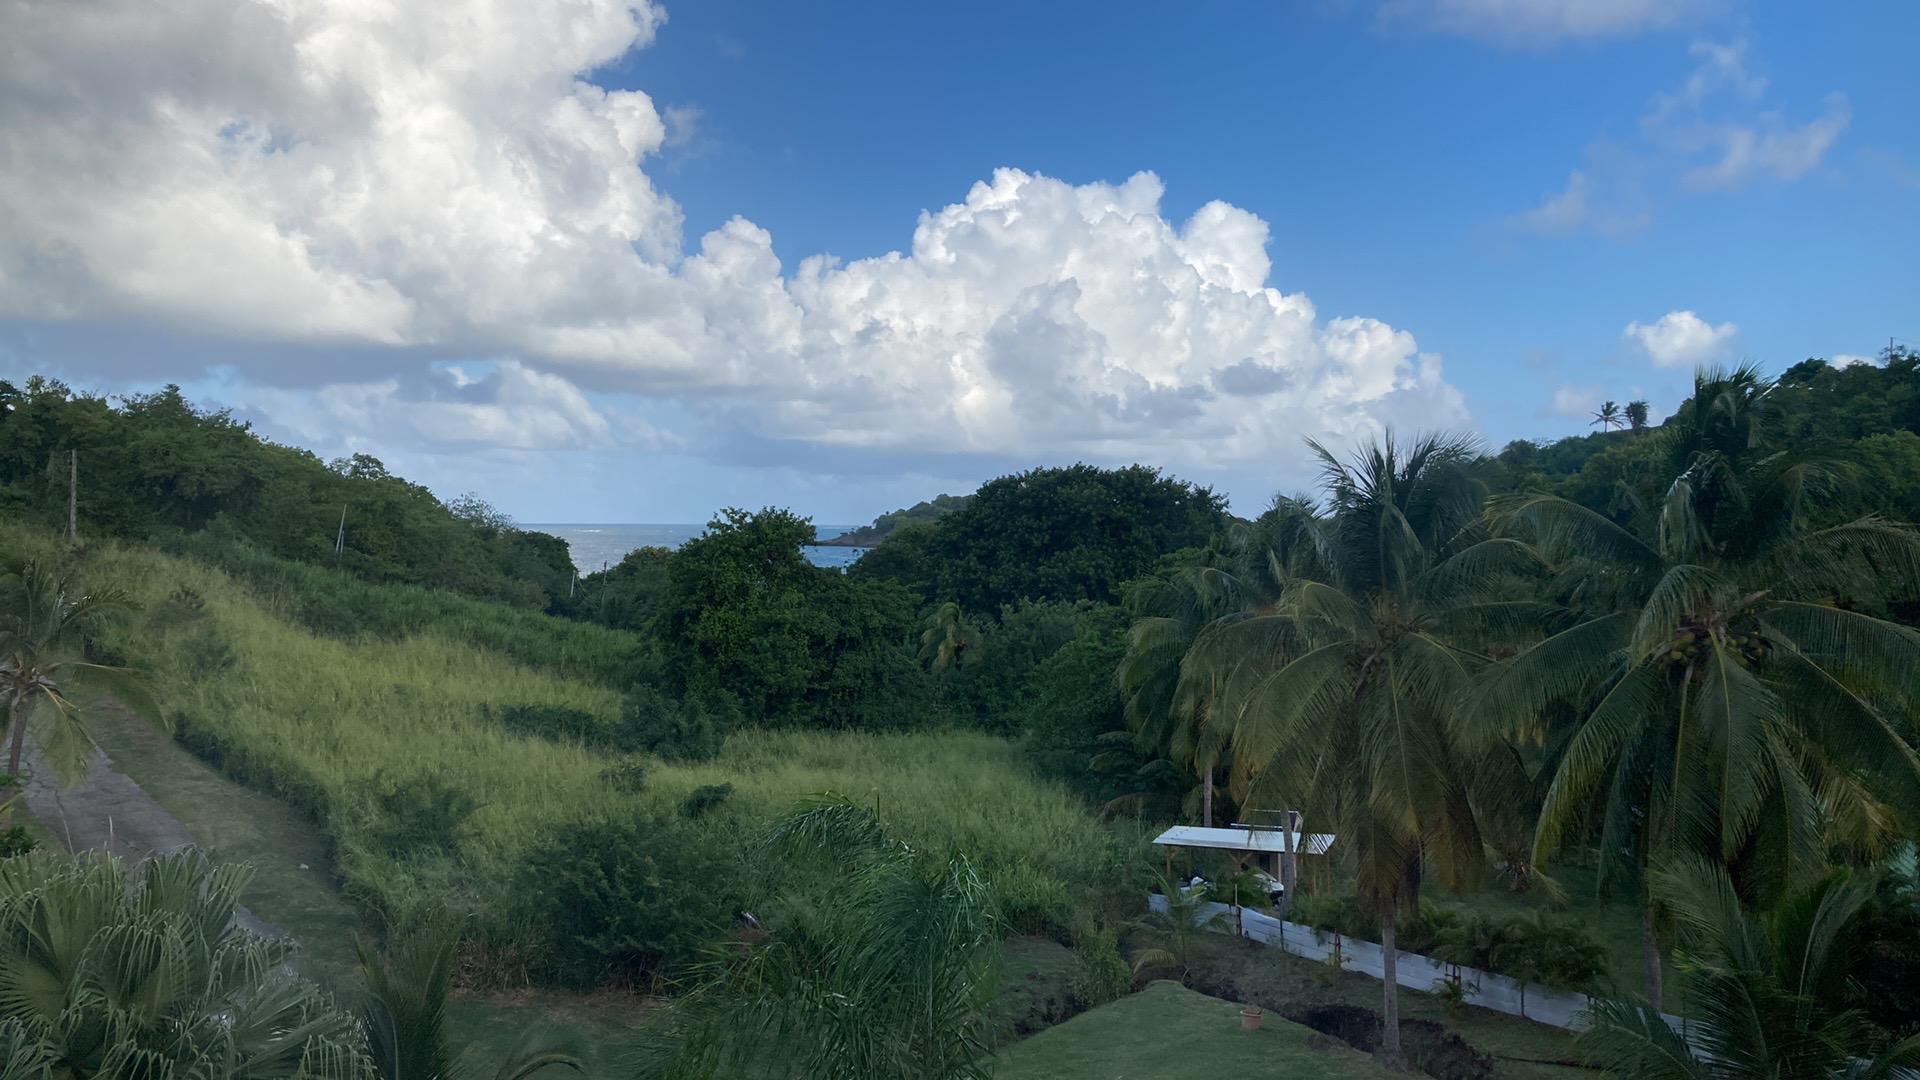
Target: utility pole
[
  {"x": 340, "y": 538},
  {"x": 73, "y": 496}
]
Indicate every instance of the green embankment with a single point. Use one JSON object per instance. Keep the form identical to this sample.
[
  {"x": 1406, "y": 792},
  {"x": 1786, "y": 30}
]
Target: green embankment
[{"x": 1167, "y": 1030}]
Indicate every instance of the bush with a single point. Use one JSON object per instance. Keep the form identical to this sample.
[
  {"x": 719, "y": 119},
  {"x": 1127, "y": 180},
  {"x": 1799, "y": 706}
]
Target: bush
[
  {"x": 16, "y": 841},
  {"x": 704, "y": 798},
  {"x": 419, "y": 814},
  {"x": 689, "y": 730},
  {"x": 631, "y": 900},
  {"x": 1104, "y": 974}
]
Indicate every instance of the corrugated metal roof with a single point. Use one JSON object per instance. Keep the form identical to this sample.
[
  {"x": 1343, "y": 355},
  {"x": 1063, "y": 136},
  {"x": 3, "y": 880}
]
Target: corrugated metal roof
[{"x": 1243, "y": 839}]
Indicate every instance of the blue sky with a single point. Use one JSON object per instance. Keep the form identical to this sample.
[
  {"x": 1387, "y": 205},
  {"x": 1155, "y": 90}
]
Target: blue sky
[{"x": 483, "y": 273}]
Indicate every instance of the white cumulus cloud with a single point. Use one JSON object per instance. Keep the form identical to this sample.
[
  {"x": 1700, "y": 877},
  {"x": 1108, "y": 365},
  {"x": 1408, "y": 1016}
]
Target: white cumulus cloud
[
  {"x": 1681, "y": 339},
  {"x": 442, "y": 180}
]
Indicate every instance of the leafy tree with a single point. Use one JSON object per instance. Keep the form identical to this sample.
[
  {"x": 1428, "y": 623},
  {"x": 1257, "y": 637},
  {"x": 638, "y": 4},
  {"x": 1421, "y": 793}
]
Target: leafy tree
[
  {"x": 1637, "y": 415},
  {"x": 46, "y": 684},
  {"x": 994, "y": 686},
  {"x": 747, "y": 614},
  {"x": 99, "y": 979},
  {"x": 1765, "y": 989},
  {"x": 890, "y": 975},
  {"x": 1732, "y": 702},
  {"x": 1075, "y": 533},
  {"x": 629, "y": 594},
  {"x": 1608, "y": 416},
  {"x": 630, "y": 899},
  {"x": 404, "y": 1013}
]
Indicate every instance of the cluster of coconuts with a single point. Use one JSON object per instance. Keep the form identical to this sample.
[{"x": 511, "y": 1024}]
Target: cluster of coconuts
[{"x": 1750, "y": 647}]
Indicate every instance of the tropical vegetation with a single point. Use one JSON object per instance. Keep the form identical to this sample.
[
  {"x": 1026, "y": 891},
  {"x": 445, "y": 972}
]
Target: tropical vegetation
[{"x": 1651, "y": 652}]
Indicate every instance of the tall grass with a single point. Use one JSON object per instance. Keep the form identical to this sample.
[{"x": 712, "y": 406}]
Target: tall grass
[
  {"x": 338, "y": 604},
  {"x": 334, "y": 724}
]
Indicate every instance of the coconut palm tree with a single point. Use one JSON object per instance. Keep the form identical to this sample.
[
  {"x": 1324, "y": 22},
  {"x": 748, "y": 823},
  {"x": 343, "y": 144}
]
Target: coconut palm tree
[
  {"x": 1764, "y": 989},
  {"x": 1348, "y": 708},
  {"x": 890, "y": 975},
  {"x": 405, "y": 1013},
  {"x": 1733, "y": 698},
  {"x": 1223, "y": 603},
  {"x": 1637, "y": 415},
  {"x": 945, "y": 637},
  {"x": 1608, "y": 416},
  {"x": 1181, "y": 920},
  {"x": 1166, "y": 704},
  {"x": 99, "y": 979},
  {"x": 46, "y": 683}
]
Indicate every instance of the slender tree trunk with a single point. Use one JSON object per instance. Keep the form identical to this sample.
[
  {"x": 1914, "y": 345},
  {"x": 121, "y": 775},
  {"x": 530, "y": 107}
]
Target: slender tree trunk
[
  {"x": 1650, "y": 951},
  {"x": 1390, "y": 983},
  {"x": 16, "y": 744},
  {"x": 73, "y": 496},
  {"x": 1206, "y": 799}
]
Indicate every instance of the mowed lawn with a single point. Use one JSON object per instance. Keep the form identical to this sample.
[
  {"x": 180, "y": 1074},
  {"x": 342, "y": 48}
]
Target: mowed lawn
[{"x": 1168, "y": 1030}]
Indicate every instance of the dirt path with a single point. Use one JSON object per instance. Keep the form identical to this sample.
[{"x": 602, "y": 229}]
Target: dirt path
[{"x": 109, "y": 812}]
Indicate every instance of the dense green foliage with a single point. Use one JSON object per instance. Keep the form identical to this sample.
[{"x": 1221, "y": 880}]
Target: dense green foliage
[
  {"x": 1076, "y": 533},
  {"x": 888, "y": 974},
  {"x": 154, "y": 464},
  {"x": 746, "y": 614},
  {"x": 1769, "y": 990}
]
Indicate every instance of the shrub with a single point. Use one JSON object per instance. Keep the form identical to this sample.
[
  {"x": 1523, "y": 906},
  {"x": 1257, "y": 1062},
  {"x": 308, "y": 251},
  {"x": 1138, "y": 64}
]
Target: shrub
[
  {"x": 16, "y": 841},
  {"x": 704, "y": 798},
  {"x": 689, "y": 730},
  {"x": 419, "y": 814},
  {"x": 632, "y": 899},
  {"x": 1104, "y": 974}
]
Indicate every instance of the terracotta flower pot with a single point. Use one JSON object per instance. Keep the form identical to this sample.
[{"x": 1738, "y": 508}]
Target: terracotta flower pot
[{"x": 1249, "y": 1019}]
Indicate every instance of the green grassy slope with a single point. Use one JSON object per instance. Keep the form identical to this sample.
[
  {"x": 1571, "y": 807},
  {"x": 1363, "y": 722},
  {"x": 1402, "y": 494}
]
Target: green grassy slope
[
  {"x": 1167, "y": 1030},
  {"x": 327, "y": 723}
]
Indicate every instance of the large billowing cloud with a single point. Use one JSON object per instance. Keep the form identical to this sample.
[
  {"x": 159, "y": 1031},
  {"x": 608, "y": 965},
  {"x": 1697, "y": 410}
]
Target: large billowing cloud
[{"x": 442, "y": 180}]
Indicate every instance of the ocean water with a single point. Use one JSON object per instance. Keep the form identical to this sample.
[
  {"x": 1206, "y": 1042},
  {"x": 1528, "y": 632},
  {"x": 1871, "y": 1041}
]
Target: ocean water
[{"x": 598, "y": 546}]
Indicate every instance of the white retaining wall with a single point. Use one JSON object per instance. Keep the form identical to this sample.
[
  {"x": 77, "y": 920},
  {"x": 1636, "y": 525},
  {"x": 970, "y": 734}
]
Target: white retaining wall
[{"x": 1559, "y": 1008}]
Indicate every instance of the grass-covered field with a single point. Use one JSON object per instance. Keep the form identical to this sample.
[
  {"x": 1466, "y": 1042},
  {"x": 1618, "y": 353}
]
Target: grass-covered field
[
  {"x": 1167, "y": 1030},
  {"x": 332, "y": 724}
]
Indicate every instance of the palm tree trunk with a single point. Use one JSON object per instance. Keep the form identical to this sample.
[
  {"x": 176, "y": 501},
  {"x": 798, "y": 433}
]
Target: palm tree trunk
[
  {"x": 1206, "y": 799},
  {"x": 16, "y": 744},
  {"x": 1390, "y": 983},
  {"x": 1650, "y": 952}
]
